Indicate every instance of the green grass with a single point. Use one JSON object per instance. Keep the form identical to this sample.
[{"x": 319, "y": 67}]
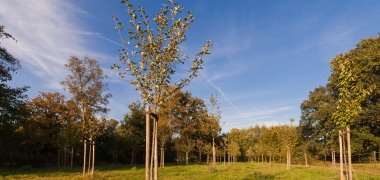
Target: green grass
[{"x": 231, "y": 171}]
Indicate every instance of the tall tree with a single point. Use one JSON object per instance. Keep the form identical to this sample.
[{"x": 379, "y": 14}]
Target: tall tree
[
  {"x": 152, "y": 54},
  {"x": 85, "y": 83},
  {"x": 12, "y": 102}
]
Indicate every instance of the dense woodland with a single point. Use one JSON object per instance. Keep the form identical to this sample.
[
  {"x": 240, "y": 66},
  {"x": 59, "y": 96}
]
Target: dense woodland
[{"x": 52, "y": 129}]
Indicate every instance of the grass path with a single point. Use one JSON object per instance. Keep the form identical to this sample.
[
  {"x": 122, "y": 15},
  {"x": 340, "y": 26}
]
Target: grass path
[{"x": 233, "y": 171}]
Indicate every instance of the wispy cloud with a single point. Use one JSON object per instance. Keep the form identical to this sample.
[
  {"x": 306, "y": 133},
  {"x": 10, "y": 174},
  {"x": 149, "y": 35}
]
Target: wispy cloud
[{"x": 47, "y": 33}]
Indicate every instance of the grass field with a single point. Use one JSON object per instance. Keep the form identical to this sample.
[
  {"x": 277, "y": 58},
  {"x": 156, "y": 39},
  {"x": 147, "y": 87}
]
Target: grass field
[{"x": 195, "y": 171}]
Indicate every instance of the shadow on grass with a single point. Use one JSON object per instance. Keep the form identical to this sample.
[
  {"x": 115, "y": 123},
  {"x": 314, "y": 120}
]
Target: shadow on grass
[
  {"x": 258, "y": 175},
  {"x": 25, "y": 170}
]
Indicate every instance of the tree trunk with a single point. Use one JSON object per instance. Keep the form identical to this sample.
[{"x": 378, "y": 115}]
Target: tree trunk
[
  {"x": 262, "y": 158},
  {"x": 156, "y": 150},
  {"x": 84, "y": 157},
  {"x": 133, "y": 151},
  {"x": 341, "y": 156},
  {"x": 208, "y": 158},
  {"x": 187, "y": 158},
  {"x": 147, "y": 141},
  {"x": 93, "y": 158},
  {"x": 374, "y": 156},
  {"x": 89, "y": 158},
  {"x": 65, "y": 157},
  {"x": 213, "y": 154},
  {"x": 345, "y": 155},
  {"x": 270, "y": 160},
  {"x": 58, "y": 158},
  {"x": 200, "y": 156},
  {"x": 349, "y": 153},
  {"x": 152, "y": 152},
  {"x": 71, "y": 158},
  {"x": 305, "y": 155},
  {"x": 288, "y": 159},
  {"x": 224, "y": 158}
]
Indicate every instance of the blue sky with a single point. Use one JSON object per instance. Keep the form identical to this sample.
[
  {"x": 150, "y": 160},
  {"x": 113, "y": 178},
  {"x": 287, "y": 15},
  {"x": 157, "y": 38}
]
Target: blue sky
[{"x": 267, "y": 55}]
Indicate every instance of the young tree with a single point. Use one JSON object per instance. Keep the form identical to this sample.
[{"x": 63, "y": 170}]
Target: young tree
[
  {"x": 85, "y": 83},
  {"x": 214, "y": 126},
  {"x": 151, "y": 55},
  {"x": 355, "y": 75}
]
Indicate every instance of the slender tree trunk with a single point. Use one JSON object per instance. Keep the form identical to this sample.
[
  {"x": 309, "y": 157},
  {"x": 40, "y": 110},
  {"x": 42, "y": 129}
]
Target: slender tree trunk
[
  {"x": 156, "y": 150},
  {"x": 93, "y": 158},
  {"x": 208, "y": 158},
  {"x": 270, "y": 160},
  {"x": 224, "y": 158},
  {"x": 65, "y": 157},
  {"x": 305, "y": 155},
  {"x": 349, "y": 153},
  {"x": 345, "y": 156},
  {"x": 262, "y": 158},
  {"x": 133, "y": 151},
  {"x": 84, "y": 157},
  {"x": 374, "y": 156},
  {"x": 187, "y": 158},
  {"x": 341, "y": 156},
  {"x": 58, "y": 158},
  {"x": 89, "y": 158},
  {"x": 152, "y": 152},
  {"x": 71, "y": 158},
  {"x": 213, "y": 154},
  {"x": 147, "y": 141},
  {"x": 288, "y": 158}
]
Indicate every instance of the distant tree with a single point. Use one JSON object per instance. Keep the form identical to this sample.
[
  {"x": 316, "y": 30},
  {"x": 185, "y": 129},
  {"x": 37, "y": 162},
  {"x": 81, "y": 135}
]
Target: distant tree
[
  {"x": 85, "y": 83},
  {"x": 48, "y": 113},
  {"x": 234, "y": 150},
  {"x": 133, "y": 126},
  {"x": 184, "y": 145},
  {"x": 152, "y": 54}
]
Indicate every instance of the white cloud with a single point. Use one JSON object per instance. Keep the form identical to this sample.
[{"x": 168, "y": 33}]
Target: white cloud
[{"x": 48, "y": 32}]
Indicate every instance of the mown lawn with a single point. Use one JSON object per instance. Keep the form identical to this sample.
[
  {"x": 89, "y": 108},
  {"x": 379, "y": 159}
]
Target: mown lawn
[{"x": 196, "y": 171}]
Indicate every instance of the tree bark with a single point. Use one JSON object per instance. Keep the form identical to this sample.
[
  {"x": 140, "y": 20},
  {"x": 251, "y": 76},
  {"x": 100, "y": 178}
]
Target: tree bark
[
  {"x": 213, "y": 154},
  {"x": 156, "y": 149},
  {"x": 65, "y": 157},
  {"x": 58, "y": 158},
  {"x": 341, "y": 156},
  {"x": 270, "y": 160},
  {"x": 305, "y": 155},
  {"x": 349, "y": 153},
  {"x": 71, "y": 159},
  {"x": 84, "y": 157},
  {"x": 224, "y": 158},
  {"x": 187, "y": 158},
  {"x": 147, "y": 141},
  {"x": 93, "y": 158},
  {"x": 89, "y": 157},
  {"x": 374, "y": 156}
]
